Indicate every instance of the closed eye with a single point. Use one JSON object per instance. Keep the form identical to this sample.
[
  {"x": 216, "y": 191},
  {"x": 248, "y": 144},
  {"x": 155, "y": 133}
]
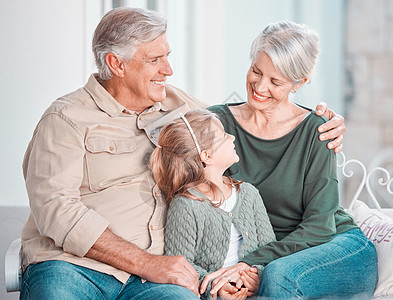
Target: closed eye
[
  {"x": 157, "y": 59},
  {"x": 256, "y": 71}
]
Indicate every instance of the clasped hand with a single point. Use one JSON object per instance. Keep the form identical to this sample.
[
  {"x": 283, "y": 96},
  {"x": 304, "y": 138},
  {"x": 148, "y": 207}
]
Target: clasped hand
[{"x": 237, "y": 282}]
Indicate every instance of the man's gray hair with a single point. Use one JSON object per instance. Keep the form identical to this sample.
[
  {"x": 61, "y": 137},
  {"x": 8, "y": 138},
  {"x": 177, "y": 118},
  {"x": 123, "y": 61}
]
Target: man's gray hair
[
  {"x": 293, "y": 49},
  {"x": 120, "y": 31}
]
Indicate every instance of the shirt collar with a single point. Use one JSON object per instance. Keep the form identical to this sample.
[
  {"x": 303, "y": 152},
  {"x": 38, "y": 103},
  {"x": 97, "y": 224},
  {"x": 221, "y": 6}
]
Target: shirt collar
[
  {"x": 167, "y": 104},
  {"x": 102, "y": 98},
  {"x": 108, "y": 104},
  {"x": 156, "y": 107}
]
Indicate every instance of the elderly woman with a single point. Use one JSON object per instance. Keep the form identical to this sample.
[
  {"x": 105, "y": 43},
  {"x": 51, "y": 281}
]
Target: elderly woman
[{"x": 319, "y": 251}]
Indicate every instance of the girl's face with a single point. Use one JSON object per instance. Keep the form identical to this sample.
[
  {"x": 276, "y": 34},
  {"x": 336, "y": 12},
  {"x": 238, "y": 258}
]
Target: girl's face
[{"x": 223, "y": 150}]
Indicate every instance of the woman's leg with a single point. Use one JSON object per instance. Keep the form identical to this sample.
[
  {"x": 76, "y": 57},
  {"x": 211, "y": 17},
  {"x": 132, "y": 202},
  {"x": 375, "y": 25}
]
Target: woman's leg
[{"x": 345, "y": 267}]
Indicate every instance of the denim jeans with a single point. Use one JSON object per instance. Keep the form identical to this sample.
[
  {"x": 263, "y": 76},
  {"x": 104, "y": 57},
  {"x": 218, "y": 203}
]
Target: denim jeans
[
  {"x": 344, "y": 268},
  {"x": 61, "y": 280}
]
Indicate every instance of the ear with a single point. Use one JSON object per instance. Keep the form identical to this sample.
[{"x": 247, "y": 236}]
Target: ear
[
  {"x": 115, "y": 65},
  {"x": 206, "y": 158},
  {"x": 296, "y": 87}
]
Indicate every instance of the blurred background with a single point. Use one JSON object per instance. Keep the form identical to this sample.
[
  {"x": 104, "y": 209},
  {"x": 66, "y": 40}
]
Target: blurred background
[{"x": 45, "y": 48}]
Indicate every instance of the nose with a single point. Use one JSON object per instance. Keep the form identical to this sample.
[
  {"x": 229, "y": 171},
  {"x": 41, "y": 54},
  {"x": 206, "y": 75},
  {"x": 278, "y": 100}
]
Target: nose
[
  {"x": 166, "y": 68},
  {"x": 232, "y": 137},
  {"x": 261, "y": 85}
]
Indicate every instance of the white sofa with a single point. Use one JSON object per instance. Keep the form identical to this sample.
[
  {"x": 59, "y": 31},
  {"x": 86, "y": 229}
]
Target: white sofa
[
  {"x": 376, "y": 222},
  {"x": 12, "y": 219}
]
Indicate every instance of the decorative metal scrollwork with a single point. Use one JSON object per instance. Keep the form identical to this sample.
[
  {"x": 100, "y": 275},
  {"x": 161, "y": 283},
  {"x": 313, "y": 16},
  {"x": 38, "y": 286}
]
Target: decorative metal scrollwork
[{"x": 347, "y": 171}]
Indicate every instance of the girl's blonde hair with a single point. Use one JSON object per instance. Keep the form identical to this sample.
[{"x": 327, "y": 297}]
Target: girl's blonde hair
[{"x": 176, "y": 163}]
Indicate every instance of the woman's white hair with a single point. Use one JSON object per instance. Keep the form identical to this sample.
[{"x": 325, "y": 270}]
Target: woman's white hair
[
  {"x": 120, "y": 31},
  {"x": 293, "y": 49}
]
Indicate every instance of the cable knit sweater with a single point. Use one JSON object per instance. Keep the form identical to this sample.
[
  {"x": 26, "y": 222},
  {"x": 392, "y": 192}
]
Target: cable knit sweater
[{"x": 201, "y": 232}]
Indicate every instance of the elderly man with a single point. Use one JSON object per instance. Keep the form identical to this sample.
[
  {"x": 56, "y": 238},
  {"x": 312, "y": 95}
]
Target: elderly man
[{"x": 96, "y": 214}]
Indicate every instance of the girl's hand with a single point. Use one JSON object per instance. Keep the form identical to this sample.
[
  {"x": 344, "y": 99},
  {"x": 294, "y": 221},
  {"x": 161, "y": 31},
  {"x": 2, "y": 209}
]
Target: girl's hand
[
  {"x": 250, "y": 281},
  {"x": 222, "y": 276},
  {"x": 230, "y": 292}
]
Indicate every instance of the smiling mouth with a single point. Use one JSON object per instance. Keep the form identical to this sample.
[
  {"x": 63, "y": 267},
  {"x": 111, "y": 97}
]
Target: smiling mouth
[
  {"x": 259, "y": 97},
  {"x": 157, "y": 82}
]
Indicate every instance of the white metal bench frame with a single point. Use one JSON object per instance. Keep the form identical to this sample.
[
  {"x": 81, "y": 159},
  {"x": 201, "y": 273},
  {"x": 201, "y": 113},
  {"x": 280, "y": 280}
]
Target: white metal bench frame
[
  {"x": 13, "y": 267},
  {"x": 366, "y": 181}
]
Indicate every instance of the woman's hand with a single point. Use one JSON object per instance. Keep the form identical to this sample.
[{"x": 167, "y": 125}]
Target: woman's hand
[
  {"x": 250, "y": 281},
  {"x": 229, "y": 292},
  {"x": 223, "y": 276},
  {"x": 333, "y": 129}
]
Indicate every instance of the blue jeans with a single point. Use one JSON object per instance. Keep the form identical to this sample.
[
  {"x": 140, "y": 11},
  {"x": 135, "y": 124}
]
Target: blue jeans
[
  {"x": 61, "y": 280},
  {"x": 344, "y": 268}
]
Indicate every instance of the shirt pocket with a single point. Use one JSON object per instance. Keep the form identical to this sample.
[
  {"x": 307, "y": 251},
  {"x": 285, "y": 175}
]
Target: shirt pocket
[{"x": 109, "y": 161}]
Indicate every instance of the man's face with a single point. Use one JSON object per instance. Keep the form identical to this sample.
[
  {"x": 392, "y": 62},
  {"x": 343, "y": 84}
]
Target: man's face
[{"x": 146, "y": 72}]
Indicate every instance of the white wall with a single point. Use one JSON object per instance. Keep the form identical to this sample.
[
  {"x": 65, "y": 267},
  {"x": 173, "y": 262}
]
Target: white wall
[{"x": 43, "y": 56}]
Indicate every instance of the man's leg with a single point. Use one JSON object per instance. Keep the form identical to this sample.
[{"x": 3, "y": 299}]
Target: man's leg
[
  {"x": 62, "y": 280},
  {"x": 135, "y": 289},
  {"x": 344, "y": 268}
]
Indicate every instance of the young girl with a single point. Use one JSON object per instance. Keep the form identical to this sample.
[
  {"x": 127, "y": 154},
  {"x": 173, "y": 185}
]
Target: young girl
[{"x": 213, "y": 220}]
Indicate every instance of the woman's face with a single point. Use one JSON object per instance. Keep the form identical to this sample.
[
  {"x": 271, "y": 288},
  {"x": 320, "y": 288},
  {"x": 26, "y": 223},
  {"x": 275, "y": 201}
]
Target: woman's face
[{"x": 266, "y": 87}]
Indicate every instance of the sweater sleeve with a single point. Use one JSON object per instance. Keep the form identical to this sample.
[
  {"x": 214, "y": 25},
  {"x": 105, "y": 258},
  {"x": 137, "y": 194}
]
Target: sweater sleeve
[
  {"x": 264, "y": 229},
  {"x": 265, "y": 233},
  {"x": 320, "y": 202},
  {"x": 181, "y": 234}
]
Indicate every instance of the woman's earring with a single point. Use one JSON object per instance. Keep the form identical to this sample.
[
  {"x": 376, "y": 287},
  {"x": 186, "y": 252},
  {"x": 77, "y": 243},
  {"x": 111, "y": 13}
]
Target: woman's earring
[{"x": 203, "y": 164}]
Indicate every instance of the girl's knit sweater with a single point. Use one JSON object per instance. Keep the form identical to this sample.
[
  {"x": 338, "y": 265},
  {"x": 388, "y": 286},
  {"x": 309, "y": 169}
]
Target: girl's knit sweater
[{"x": 201, "y": 232}]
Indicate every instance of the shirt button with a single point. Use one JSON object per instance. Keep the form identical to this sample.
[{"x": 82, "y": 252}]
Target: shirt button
[
  {"x": 111, "y": 148},
  {"x": 230, "y": 215},
  {"x": 242, "y": 255},
  {"x": 151, "y": 227}
]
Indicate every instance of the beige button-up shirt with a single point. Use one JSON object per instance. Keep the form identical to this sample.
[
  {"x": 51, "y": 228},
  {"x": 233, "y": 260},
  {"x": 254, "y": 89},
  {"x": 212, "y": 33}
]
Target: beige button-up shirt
[{"x": 86, "y": 169}]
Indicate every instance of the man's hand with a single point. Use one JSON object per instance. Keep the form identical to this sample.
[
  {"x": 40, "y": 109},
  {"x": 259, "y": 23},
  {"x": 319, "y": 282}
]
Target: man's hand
[
  {"x": 170, "y": 269},
  {"x": 333, "y": 129},
  {"x": 116, "y": 252}
]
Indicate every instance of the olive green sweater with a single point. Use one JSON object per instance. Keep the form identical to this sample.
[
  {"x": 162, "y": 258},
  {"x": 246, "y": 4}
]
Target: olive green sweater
[
  {"x": 296, "y": 177},
  {"x": 201, "y": 232}
]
